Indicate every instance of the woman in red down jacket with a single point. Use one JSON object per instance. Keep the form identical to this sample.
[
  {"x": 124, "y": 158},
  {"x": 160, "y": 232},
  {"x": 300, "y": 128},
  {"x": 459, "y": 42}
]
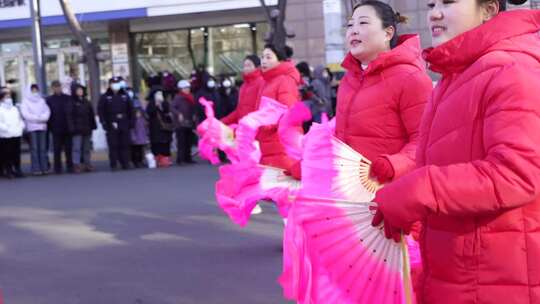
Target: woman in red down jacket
[
  {"x": 282, "y": 82},
  {"x": 249, "y": 91},
  {"x": 477, "y": 183},
  {"x": 382, "y": 96}
]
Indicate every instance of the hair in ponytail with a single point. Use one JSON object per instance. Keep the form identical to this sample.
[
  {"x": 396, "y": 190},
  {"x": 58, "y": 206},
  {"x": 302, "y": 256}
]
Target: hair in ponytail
[
  {"x": 400, "y": 19},
  {"x": 387, "y": 15}
]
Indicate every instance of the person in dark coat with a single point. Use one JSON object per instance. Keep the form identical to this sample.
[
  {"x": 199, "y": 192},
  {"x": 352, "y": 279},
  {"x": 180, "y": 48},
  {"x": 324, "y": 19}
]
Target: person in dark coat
[
  {"x": 161, "y": 127},
  {"x": 168, "y": 82},
  {"x": 82, "y": 120},
  {"x": 183, "y": 110},
  {"x": 229, "y": 96},
  {"x": 116, "y": 115},
  {"x": 322, "y": 87},
  {"x": 210, "y": 91},
  {"x": 60, "y": 105}
]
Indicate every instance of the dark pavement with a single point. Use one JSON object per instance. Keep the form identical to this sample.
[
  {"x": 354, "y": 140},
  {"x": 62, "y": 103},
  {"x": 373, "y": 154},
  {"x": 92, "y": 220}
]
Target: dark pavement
[{"x": 134, "y": 237}]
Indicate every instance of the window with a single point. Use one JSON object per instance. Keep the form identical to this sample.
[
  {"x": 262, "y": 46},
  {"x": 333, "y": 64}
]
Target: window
[
  {"x": 11, "y": 3},
  {"x": 222, "y": 49}
]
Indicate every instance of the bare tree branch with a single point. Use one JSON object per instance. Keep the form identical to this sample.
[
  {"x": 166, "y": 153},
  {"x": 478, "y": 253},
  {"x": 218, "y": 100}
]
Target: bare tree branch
[
  {"x": 89, "y": 48},
  {"x": 276, "y": 19},
  {"x": 266, "y": 10}
]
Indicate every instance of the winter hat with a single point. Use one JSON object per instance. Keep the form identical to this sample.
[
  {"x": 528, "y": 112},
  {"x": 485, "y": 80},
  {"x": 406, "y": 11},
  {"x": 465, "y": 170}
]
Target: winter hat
[
  {"x": 282, "y": 54},
  {"x": 255, "y": 59},
  {"x": 115, "y": 79},
  {"x": 183, "y": 84}
]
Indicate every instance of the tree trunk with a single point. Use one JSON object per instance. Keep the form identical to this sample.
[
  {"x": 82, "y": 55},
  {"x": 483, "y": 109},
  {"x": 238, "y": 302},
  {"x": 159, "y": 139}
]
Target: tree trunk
[
  {"x": 278, "y": 32},
  {"x": 89, "y": 48}
]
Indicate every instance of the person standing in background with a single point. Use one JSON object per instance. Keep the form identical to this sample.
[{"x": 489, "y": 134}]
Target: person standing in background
[
  {"x": 183, "y": 110},
  {"x": 36, "y": 114},
  {"x": 228, "y": 95},
  {"x": 60, "y": 105},
  {"x": 115, "y": 110},
  {"x": 82, "y": 120},
  {"x": 161, "y": 127},
  {"x": 139, "y": 137},
  {"x": 11, "y": 130}
]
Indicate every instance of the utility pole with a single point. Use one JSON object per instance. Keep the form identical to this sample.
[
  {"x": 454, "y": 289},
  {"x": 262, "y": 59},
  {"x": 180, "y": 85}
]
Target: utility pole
[{"x": 37, "y": 43}]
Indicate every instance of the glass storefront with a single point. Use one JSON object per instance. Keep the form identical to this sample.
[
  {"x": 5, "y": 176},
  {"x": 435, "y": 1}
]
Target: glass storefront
[
  {"x": 221, "y": 49},
  {"x": 62, "y": 62}
]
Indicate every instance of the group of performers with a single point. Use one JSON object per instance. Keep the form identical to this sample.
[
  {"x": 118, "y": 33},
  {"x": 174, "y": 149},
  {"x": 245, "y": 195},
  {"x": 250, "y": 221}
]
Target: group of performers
[{"x": 452, "y": 170}]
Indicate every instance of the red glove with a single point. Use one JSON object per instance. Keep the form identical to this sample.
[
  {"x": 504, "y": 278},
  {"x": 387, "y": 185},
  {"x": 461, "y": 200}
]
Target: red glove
[
  {"x": 397, "y": 216},
  {"x": 295, "y": 171},
  {"x": 382, "y": 170},
  {"x": 391, "y": 232}
]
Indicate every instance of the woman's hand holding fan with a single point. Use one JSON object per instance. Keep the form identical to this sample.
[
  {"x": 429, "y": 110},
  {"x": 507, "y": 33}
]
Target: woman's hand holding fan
[{"x": 332, "y": 253}]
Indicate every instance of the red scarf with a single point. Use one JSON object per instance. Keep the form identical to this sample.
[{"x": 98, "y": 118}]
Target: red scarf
[{"x": 188, "y": 97}]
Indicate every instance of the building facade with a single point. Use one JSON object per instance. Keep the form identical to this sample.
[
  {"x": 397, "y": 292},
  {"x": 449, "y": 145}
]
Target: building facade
[{"x": 139, "y": 38}]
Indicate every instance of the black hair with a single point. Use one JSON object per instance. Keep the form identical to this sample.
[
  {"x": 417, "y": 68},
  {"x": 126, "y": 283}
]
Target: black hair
[
  {"x": 387, "y": 15},
  {"x": 282, "y": 54},
  {"x": 56, "y": 84},
  {"x": 304, "y": 69},
  {"x": 34, "y": 87},
  {"x": 502, "y": 3},
  {"x": 330, "y": 74},
  {"x": 255, "y": 59},
  {"x": 77, "y": 86}
]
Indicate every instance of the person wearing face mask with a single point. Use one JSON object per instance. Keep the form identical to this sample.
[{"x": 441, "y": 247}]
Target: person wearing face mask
[
  {"x": 476, "y": 186},
  {"x": 322, "y": 88},
  {"x": 11, "y": 130},
  {"x": 116, "y": 115},
  {"x": 10, "y": 89},
  {"x": 210, "y": 91},
  {"x": 305, "y": 71},
  {"x": 249, "y": 91},
  {"x": 60, "y": 105},
  {"x": 36, "y": 113},
  {"x": 161, "y": 127},
  {"x": 139, "y": 138},
  {"x": 83, "y": 122},
  {"x": 134, "y": 98},
  {"x": 229, "y": 96}
]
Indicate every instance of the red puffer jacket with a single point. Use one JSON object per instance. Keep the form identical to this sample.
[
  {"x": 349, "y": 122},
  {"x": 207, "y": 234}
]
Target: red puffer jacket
[
  {"x": 478, "y": 184},
  {"x": 379, "y": 109},
  {"x": 247, "y": 98},
  {"x": 282, "y": 84}
]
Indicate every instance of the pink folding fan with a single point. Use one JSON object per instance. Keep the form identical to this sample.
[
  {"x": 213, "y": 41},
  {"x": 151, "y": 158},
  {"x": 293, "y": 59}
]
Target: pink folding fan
[
  {"x": 332, "y": 253},
  {"x": 242, "y": 184},
  {"x": 214, "y": 135}
]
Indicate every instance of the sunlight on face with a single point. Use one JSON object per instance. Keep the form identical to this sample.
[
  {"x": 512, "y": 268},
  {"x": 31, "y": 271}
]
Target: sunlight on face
[
  {"x": 448, "y": 19},
  {"x": 249, "y": 66},
  {"x": 269, "y": 60},
  {"x": 365, "y": 35}
]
